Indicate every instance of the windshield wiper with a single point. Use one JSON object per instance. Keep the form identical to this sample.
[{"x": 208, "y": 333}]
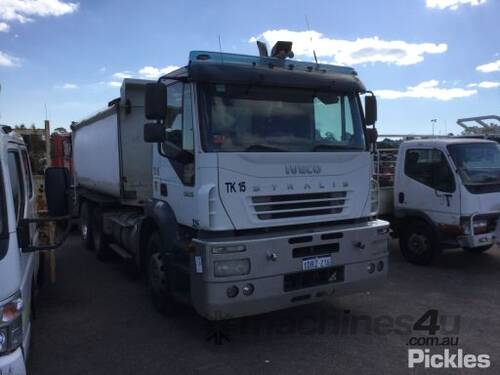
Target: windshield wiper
[
  {"x": 329, "y": 146},
  {"x": 264, "y": 148}
]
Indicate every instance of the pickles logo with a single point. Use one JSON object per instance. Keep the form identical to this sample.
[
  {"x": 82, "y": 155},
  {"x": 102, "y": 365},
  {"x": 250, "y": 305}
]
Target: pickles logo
[
  {"x": 295, "y": 169},
  {"x": 448, "y": 359}
]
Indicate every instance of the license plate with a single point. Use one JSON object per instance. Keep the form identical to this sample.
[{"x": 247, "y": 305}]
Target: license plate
[{"x": 316, "y": 262}]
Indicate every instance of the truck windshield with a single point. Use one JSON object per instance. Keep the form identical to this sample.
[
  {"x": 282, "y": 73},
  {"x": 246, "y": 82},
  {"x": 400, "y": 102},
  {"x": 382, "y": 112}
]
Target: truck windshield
[
  {"x": 238, "y": 118},
  {"x": 477, "y": 163}
]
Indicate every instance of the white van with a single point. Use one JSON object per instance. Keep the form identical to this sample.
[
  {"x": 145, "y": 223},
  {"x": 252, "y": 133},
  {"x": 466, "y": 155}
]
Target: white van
[
  {"x": 19, "y": 261},
  {"x": 18, "y": 270}
]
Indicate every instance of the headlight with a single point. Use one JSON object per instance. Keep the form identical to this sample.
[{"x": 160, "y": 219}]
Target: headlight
[
  {"x": 11, "y": 329},
  {"x": 373, "y": 196},
  {"x": 480, "y": 226},
  {"x": 234, "y": 267}
]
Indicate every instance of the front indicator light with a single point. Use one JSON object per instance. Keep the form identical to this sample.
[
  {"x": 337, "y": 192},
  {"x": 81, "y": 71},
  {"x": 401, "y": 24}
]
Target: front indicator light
[
  {"x": 233, "y": 267},
  {"x": 3, "y": 341},
  {"x": 228, "y": 249}
]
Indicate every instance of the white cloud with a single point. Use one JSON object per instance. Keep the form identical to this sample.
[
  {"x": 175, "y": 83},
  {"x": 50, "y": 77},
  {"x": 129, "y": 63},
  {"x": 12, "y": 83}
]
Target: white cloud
[
  {"x": 150, "y": 72},
  {"x": 4, "y": 27},
  {"x": 114, "y": 83},
  {"x": 9, "y": 60},
  {"x": 122, "y": 75},
  {"x": 451, "y": 4},
  {"x": 490, "y": 67},
  {"x": 67, "y": 86},
  {"x": 146, "y": 72},
  {"x": 25, "y": 10},
  {"x": 485, "y": 84},
  {"x": 351, "y": 52},
  {"x": 428, "y": 90}
]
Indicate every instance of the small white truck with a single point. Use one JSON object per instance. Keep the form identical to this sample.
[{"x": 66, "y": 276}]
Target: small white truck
[
  {"x": 250, "y": 191},
  {"x": 19, "y": 261},
  {"x": 441, "y": 193}
]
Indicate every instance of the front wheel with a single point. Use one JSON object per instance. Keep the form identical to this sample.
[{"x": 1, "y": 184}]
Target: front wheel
[
  {"x": 158, "y": 276},
  {"x": 479, "y": 249},
  {"x": 418, "y": 244}
]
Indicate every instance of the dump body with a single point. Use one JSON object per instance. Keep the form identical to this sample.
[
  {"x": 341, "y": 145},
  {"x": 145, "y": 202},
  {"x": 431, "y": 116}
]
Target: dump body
[{"x": 109, "y": 154}]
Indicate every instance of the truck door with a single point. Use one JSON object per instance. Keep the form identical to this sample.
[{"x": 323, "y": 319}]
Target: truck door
[
  {"x": 22, "y": 193},
  {"x": 174, "y": 180},
  {"x": 427, "y": 185}
]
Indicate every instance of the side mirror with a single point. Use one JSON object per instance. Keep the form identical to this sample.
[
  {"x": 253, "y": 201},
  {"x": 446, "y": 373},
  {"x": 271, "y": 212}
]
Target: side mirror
[
  {"x": 44, "y": 237},
  {"x": 56, "y": 187},
  {"x": 154, "y": 133},
  {"x": 155, "y": 102},
  {"x": 370, "y": 109},
  {"x": 371, "y": 136}
]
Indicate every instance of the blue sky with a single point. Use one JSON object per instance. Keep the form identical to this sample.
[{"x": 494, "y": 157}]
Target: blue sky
[{"x": 425, "y": 59}]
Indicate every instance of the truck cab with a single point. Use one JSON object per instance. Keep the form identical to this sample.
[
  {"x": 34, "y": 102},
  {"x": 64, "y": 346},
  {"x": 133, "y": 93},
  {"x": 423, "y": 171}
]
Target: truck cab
[
  {"x": 18, "y": 269},
  {"x": 446, "y": 195}
]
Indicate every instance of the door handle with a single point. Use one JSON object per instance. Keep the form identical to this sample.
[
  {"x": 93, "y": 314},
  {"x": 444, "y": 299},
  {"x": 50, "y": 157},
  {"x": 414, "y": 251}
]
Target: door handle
[{"x": 401, "y": 198}]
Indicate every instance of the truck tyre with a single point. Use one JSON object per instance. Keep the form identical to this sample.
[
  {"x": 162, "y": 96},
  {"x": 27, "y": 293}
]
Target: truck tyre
[
  {"x": 478, "y": 250},
  {"x": 157, "y": 276},
  {"x": 101, "y": 243},
  {"x": 86, "y": 225},
  {"x": 418, "y": 243}
]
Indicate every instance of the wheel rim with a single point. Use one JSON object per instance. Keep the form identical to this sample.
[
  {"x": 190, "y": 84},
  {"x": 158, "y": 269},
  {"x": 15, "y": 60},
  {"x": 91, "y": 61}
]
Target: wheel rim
[
  {"x": 418, "y": 243},
  {"x": 157, "y": 274},
  {"x": 84, "y": 230}
]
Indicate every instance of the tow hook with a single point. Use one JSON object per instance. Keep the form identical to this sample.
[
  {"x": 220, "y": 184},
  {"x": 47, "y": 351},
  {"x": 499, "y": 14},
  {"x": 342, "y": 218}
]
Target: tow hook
[
  {"x": 272, "y": 256},
  {"x": 359, "y": 245}
]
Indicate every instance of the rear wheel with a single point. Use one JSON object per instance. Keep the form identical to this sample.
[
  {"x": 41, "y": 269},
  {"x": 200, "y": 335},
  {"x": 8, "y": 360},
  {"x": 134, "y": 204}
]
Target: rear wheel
[
  {"x": 418, "y": 243},
  {"x": 158, "y": 276},
  {"x": 478, "y": 250},
  {"x": 86, "y": 225}
]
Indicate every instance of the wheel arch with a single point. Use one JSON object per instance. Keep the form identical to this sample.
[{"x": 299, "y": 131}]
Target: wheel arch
[{"x": 159, "y": 217}]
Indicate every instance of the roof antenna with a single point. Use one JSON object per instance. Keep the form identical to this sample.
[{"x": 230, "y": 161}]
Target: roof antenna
[
  {"x": 309, "y": 29},
  {"x": 220, "y": 50}
]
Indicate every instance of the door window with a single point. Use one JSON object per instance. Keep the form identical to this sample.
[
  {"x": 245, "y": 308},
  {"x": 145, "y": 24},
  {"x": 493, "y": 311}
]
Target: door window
[
  {"x": 27, "y": 173},
  {"x": 17, "y": 183},
  {"x": 430, "y": 167},
  {"x": 179, "y": 123}
]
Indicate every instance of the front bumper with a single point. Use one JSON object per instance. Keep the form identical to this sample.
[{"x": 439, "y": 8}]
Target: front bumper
[
  {"x": 277, "y": 275},
  {"x": 470, "y": 239},
  {"x": 13, "y": 363},
  {"x": 477, "y": 240}
]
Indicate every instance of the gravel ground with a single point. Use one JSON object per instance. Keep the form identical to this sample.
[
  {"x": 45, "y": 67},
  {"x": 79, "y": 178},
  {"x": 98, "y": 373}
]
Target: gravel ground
[{"x": 98, "y": 319}]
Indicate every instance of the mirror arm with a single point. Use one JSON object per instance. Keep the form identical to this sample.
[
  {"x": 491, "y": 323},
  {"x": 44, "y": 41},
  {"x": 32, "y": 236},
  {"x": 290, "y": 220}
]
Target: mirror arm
[{"x": 30, "y": 249}]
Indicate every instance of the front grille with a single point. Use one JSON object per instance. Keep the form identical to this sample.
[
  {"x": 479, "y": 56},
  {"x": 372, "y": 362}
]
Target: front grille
[
  {"x": 271, "y": 207},
  {"x": 308, "y": 279}
]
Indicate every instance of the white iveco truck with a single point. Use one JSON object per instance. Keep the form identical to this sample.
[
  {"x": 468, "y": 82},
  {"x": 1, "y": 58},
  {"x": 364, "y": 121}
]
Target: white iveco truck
[
  {"x": 250, "y": 192},
  {"x": 441, "y": 193}
]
